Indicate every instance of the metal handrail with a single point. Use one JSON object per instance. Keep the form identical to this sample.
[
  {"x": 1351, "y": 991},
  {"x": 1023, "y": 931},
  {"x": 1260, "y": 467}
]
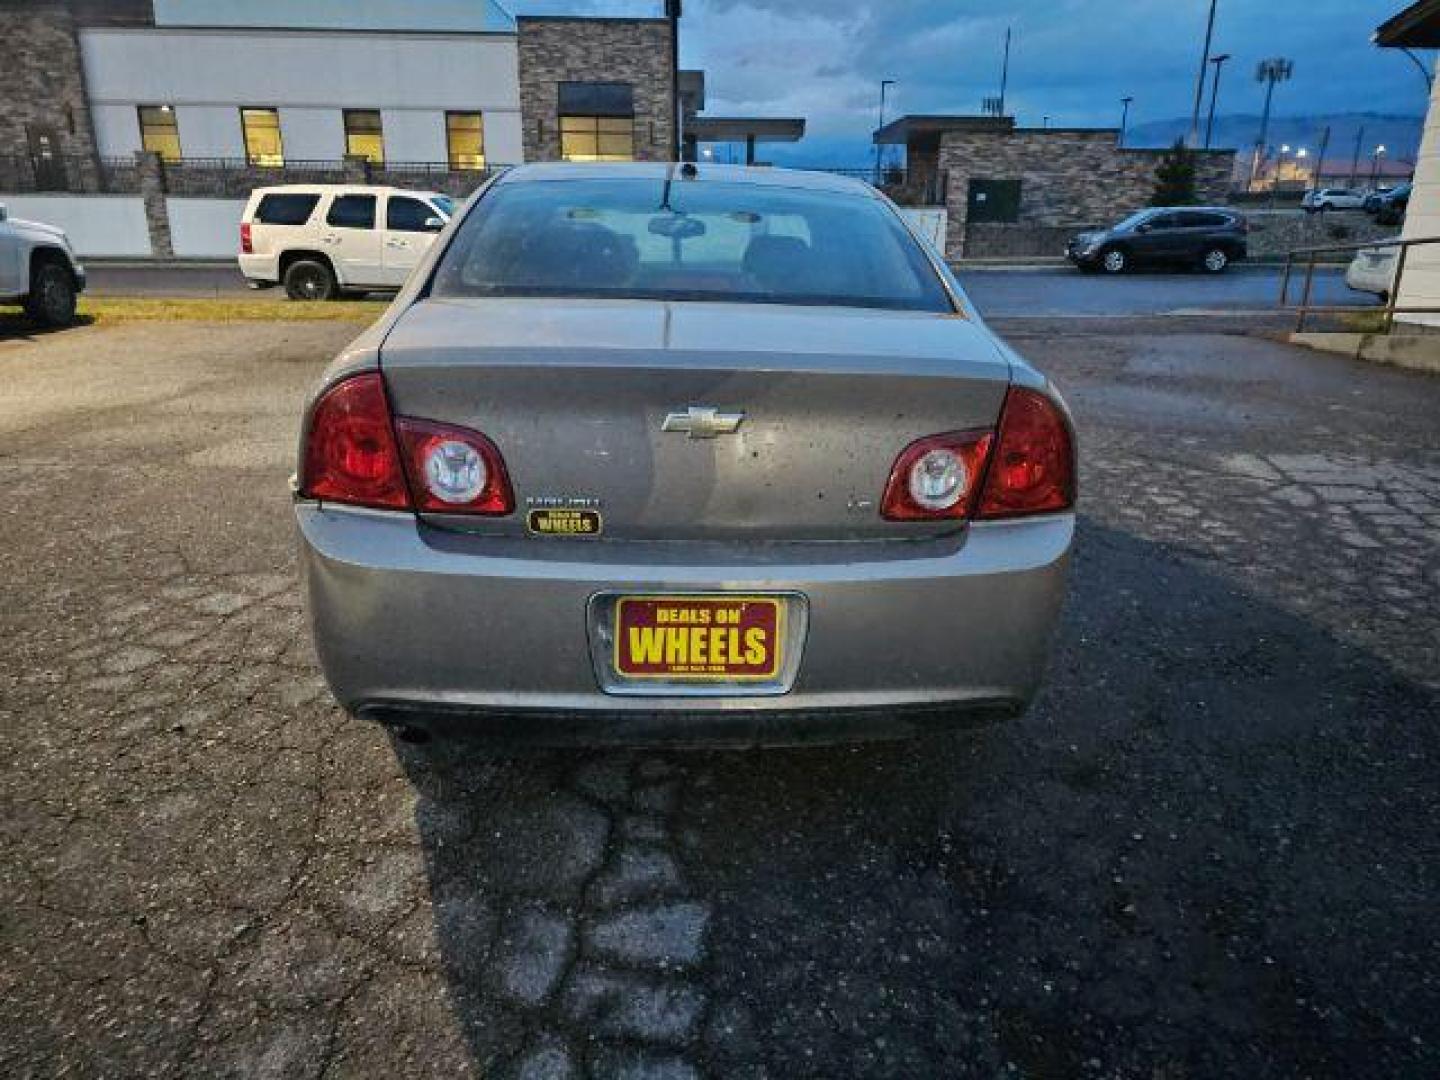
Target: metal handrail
[{"x": 1304, "y": 309}]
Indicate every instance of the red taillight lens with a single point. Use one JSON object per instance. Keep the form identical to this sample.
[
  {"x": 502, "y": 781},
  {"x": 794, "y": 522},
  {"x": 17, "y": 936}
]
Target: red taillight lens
[
  {"x": 1033, "y": 468},
  {"x": 246, "y": 247},
  {"x": 350, "y": 454},
  {"x": 935, "y": 478},
  {"x": 454, "y": 470}
]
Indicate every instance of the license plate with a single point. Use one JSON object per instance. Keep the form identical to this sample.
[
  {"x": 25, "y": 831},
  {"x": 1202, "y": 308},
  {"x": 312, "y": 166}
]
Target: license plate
[{"x": 699, "y": 638}]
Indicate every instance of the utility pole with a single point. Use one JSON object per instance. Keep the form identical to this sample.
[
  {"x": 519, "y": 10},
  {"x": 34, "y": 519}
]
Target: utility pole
[
  {"x": 1317, "y": 175},
  {"x": 885, "y": 85},
  {"x": 1124, "y": 118},
  {"x": 1272, "y": 71},
  {"x": 1219, "y": 62},
  {"x": 672, "y": 12},
  {"x": 1004, "y": 72},
  {"x": 1355, "y": 161},
  {"x": 1200, "y": 78}
]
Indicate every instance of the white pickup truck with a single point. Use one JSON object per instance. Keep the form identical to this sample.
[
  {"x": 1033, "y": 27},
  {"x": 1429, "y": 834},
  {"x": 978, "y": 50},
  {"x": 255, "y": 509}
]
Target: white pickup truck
[{"x": 39, "y": 270}]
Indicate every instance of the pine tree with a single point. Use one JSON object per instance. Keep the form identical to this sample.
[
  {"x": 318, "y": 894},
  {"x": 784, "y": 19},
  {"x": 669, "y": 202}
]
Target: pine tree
[{"x": 1175, "y": 177}]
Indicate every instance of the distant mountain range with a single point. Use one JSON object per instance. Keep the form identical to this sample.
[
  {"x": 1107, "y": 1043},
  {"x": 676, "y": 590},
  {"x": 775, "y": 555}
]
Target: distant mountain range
[{"x": 1400, "y": 135}]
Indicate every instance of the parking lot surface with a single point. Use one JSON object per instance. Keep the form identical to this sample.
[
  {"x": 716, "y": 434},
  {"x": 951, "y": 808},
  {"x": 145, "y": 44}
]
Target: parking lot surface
[
  {"x": 1209, "y": 850},
  {"x": 998, "y": 292}
]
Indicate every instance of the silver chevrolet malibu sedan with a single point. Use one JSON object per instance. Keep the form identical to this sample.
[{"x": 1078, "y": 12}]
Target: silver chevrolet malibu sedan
[{"x": 688, "y": 453}]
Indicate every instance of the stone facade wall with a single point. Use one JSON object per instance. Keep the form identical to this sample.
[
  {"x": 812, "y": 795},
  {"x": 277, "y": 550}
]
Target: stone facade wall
[
  {"x": 1067, "y": 177},
  {"x": 556, "y": 50},
  {"x": 42, "y": 84}
]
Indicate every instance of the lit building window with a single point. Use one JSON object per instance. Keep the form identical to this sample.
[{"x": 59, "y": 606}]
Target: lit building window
[
  {"x": 262, "y": 136},
  {"x": 465, "y": 137},
  {"x": 158, "y": 131},
  {"x": 597, "y": 138},
  {"x": 597, "y": 121},
  {"x": 364, "y": 136}
]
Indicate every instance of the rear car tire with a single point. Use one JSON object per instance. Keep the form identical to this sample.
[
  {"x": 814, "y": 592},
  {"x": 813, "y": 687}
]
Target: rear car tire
[
  {"x": 51, "y": 300},
  {"x": 1114, "y": 261},
  {"x": 310, "y": 279},
  {"x": 1215, "y": 260}
]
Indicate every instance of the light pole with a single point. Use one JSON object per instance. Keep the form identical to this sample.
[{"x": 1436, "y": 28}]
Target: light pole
[
  {"x": 672, "y": 12},
  {"x": 1272, "y": 71},
  {"x": 1219, "y": 62},
  {"x": 1124, "y": 118},
  {"x": 1200, "y": 78},
  {"x": 1355, "y": 161},
  {"x": 885, "y": 85},
  {"x": 1004, "y": 73},
  {"x": 1375, "y": 165}
]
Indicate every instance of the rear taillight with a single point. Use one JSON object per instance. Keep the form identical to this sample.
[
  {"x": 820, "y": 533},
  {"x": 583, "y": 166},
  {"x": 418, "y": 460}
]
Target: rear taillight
[
  {"x": 1026, "y": 466},
  {"x": 1032, "y": 470},
  {"x": 454, "y": 470},
  {"x": 352, "y": 456},
  {"x": 350, "y": 452},
  {"x": 246, "y": 247},
  {"x": 936, "y": 477}
]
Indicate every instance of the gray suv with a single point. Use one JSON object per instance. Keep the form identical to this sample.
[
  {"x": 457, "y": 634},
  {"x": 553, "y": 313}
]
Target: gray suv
[{"x": 1209, "y": 237}]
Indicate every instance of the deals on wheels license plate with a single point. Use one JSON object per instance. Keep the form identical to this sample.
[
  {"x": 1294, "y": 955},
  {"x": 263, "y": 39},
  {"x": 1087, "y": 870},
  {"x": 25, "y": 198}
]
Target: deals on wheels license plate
[{"x": 699, "y": 638}]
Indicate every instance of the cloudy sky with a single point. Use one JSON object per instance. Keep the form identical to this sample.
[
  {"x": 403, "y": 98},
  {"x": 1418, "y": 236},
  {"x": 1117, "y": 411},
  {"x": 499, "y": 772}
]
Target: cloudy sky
[{"x": 1072, "y": 59}]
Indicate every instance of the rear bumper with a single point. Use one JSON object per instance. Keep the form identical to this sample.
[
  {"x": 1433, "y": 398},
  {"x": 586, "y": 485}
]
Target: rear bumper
[
  {"x": 419, "y": 626},
  {"x": 260, "y": 267}
]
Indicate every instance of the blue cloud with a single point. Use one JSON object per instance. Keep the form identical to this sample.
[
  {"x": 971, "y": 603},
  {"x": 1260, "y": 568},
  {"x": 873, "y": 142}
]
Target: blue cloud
[{"x": 1072, "y": 59}]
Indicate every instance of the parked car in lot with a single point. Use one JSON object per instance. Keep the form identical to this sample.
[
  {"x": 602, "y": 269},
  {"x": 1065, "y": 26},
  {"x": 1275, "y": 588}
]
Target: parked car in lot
[
  {"x": 320, "y": 240},
  {"x": 1390, "y": 208},
  {"x": 1373, "y": 198},
  {"x": 694, "y": 453},
  {"x": 1319, "y": 199},
  {"x": 39, "y": 270},
  {"x": 1209, "y": 237},
  {"x": 1373, "y": 271}
]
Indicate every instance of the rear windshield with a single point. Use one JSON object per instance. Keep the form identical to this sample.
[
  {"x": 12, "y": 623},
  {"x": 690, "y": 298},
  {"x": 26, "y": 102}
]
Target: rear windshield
[
  {"x": 285, "y": 209},
  {"x": 644, "y": 238}
]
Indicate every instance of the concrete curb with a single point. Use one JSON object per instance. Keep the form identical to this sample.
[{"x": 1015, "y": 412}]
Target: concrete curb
[
  {"x": 111, "y": 262},
  {"x": 1416, "y": 352}
]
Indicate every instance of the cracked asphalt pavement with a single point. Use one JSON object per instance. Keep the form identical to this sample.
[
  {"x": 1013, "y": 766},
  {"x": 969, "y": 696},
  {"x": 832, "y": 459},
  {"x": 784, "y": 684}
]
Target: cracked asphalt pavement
[{"x": 1210, "y": 849}]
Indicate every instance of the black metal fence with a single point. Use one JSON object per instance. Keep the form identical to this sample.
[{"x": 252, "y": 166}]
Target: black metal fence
[{"x": 27, "y": 174}]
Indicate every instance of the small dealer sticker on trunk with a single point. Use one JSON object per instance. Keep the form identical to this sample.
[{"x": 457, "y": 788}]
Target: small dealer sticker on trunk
[
  {"x": 699, "y": 638},
  {"x": 557, "y": 522}
]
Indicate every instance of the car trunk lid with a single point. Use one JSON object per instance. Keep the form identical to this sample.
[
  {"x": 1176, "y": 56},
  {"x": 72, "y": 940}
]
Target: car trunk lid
[{"x": 576, "y": 395}]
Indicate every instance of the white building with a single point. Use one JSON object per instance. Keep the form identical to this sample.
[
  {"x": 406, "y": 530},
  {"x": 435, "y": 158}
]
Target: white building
[
  {"x": 276, "y": 81},
  {"x": 1418, "y": 27}
]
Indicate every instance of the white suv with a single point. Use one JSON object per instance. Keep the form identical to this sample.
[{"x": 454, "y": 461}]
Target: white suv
[
  {"x": 39, "y": 270},
  {"x": 1332, "y": 199},
  {"x": 319, "y": 240}
]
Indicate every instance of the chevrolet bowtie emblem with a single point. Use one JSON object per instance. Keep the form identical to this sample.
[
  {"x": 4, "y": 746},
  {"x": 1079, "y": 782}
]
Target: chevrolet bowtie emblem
[{"x": 703, "y": 422}]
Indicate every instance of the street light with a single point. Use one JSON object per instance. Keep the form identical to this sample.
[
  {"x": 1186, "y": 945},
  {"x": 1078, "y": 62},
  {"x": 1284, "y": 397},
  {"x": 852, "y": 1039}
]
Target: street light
[
  {"x": 885, "y": 85},
  {"x": 673, "y": 13},
  {"x": 1272, "y": 71},
  {"x": 1200, "y": 78},
  {"x": 1375, "y": 165},
  {"x": 1124, "y": 118},
  {"x": 1219, "y": 62}
]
